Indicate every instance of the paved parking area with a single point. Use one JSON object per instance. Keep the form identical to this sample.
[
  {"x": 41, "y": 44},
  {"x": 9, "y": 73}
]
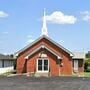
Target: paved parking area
[{"x": 54, "y": 83}]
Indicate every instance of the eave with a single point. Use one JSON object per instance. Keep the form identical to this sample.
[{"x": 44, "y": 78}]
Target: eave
[{"x": 49, "y": 39}]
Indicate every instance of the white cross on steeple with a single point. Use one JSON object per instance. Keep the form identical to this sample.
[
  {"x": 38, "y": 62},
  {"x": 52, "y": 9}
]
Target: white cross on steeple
[{"x": 44, "y": 28}]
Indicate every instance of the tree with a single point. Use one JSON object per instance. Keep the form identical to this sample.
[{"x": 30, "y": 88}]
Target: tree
[
  {"x": 87, "y": 62},
  {"x": 88, "y": 54}
]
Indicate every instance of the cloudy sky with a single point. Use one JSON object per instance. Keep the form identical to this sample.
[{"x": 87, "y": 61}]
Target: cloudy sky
[{"x": 68, "y": 23}]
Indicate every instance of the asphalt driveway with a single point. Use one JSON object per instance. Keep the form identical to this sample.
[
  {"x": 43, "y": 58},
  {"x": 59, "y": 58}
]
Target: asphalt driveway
[{"x": 54, "y": 83}]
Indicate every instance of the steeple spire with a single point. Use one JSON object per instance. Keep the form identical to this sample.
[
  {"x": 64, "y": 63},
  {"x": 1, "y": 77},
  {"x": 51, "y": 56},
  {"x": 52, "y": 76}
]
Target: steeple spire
[{"x": 44, "y": 28}]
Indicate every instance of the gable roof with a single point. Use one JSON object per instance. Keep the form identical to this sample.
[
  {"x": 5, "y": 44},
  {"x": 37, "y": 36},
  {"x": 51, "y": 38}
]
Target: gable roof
[
  {"x": 5, "y": 57},
  {"x": 49, "y": 39},
  {"x": 43, "y": 47}
]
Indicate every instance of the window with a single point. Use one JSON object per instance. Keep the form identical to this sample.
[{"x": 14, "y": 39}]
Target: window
[
  {"x": 6, "y": 63},
  {"x": 39, "y": 64},
  {"x": 45, "y": 64},
  {"x": 42, "y": 65}
]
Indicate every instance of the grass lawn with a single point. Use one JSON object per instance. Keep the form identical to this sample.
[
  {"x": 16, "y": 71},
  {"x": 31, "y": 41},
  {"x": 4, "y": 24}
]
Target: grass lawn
[
  {"x": 84, "y": 74},
  {"x": 87, "y": 74}
]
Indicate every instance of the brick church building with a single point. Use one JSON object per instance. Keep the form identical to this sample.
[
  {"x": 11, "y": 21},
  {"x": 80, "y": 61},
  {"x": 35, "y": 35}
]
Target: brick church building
[{"x": 45, "y": 57}]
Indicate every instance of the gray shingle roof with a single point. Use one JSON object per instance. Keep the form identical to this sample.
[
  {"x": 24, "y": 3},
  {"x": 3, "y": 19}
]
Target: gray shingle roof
[
  {"x": 6, "y": 57},
  {"x": 47, "y": 39},
  {"x": 79, "y": 55}
]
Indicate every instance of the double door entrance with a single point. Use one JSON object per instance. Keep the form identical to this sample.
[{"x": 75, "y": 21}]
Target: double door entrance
[{"x": 42, "y": 65}]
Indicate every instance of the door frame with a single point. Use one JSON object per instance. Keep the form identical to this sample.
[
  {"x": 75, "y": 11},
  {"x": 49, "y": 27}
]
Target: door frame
[{"x": 42, "y": 71}]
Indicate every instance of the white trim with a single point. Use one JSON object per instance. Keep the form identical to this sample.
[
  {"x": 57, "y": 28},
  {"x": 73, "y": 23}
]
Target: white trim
[
  {"x": 44, "y": 36},
  {"x": 59, "y": 57},
  {"x": 16, "y": 55},
  {"x": 42, "y": 71},
  {"x": 43, "y": 46},
  {"x": 71, "y": 54},
  {"x": 75, "y": 65},
  {"x": 26, "y": 57}
]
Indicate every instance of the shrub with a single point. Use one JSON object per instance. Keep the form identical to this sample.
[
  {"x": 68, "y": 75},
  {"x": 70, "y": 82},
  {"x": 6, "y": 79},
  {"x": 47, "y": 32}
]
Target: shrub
[{"x": 88, "y": 69}]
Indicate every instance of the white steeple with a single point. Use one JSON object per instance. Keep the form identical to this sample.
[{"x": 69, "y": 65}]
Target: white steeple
[{"x": 44, "y": 28}]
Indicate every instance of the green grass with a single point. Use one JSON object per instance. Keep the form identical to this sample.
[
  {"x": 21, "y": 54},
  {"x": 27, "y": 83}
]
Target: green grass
[
  {"x": 87, "y": 74},
  {"x": 84, "y": 74}
]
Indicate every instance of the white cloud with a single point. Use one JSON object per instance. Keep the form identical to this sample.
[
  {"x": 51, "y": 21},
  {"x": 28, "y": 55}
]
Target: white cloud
[
  {"x": 58, "y": 17},
  {"x": 86, "y": 15},
  {"x": 30, "y": 40},
  {"x": 3, "y": 14},
  {"x": 29, "y": 36},
  {"x": 5, "y": 32}
]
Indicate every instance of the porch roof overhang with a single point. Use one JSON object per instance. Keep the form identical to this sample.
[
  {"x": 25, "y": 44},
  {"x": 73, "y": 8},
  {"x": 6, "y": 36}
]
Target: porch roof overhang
[
  {"x": 78, "y": 55},
  {"x": 43, "y": 47}
]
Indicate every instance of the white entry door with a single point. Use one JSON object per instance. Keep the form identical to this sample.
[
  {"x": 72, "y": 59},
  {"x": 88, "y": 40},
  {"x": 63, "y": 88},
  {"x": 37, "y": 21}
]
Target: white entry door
[
  {"x": 75, "y": 65},
  {"x": 42, "y": 65}
]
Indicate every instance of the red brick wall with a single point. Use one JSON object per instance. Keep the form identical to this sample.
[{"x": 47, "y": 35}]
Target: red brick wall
[
  {"x": 54, "y": 67},
  {"x": 81, "y": 66},
  {"x": 66, "y": 68},
  {"x": 32, "y": 63},
  {"x": 21, "y": 65}
]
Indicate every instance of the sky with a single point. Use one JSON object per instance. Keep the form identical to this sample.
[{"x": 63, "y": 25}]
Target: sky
[{"x": 68, "y": 23}]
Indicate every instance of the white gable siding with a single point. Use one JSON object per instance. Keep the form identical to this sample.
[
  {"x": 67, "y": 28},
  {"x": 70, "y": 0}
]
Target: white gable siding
[{"x": 6, "y": 69}]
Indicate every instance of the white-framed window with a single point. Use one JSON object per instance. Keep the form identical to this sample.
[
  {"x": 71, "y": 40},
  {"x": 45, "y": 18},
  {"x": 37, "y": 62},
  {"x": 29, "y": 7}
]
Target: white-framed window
[
  {"x": 6, "y": 63},
  {"x": 42, "y": 65}
]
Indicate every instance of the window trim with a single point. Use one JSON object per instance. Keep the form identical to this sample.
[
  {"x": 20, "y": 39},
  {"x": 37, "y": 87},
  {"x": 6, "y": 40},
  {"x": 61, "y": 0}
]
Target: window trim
[{"x": 41, "y": 71}]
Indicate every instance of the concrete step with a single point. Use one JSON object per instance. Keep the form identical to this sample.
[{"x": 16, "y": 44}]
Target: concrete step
[{"x": 44, "y": 74}]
